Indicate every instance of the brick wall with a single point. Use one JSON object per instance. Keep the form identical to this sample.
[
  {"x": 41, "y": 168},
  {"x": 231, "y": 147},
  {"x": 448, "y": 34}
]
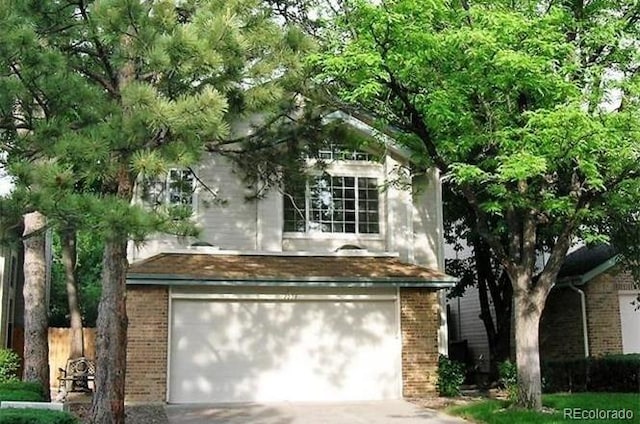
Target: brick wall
[
  {"x": 147, "y": 309},
  {"x": 419, "y": 321},
  {"x": 561, "y": 334},
  {"x": 603, "y": 312}
]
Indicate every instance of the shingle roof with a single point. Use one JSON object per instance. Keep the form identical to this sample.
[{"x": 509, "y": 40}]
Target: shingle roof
[
  {"x": 246, "y": 267},
  {"x": 585, "y": 259}
]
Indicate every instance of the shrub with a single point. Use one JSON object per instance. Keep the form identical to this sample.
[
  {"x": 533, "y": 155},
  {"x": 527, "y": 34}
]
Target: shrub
[
  {"x": 509, "y": 378},
  {"x": 612, "y": 373},
  {"x": 39, "y": 416},
  {"x": 450, "y": 376},
  {"x": 9, "y": 364},
  {"x": 21, "y": 391}
]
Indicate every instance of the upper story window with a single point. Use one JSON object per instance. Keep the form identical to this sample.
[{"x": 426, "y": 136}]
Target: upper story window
[
  {"x": 176, "y": 188},
  {"x": 340, "y": 151},
  {"x": 332, "y": 204}
]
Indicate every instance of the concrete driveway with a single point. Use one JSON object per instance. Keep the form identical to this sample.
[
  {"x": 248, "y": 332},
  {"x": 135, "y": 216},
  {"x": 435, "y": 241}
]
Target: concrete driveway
[{"x": 379, "y": 412}]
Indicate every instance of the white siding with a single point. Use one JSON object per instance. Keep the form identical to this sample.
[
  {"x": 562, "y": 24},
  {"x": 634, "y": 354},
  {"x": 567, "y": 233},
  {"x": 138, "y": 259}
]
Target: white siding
[
  {"x": 411, "y": 229},
  {"x": 466, "y": 325},
  {"x": 427, "y": 221},
  {"x": 231, "y": 225},
  {"x": 399, "y": 213}
]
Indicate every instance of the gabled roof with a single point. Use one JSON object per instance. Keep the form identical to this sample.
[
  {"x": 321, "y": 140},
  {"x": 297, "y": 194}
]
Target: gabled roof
[
  {"x": 283, "y": 269},
  {"x": 364, "y": 123},
  {"x": 587, "y": 263}
]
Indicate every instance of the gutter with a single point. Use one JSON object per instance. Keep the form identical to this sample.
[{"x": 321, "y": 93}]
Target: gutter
[{"x": 583, "y": 307}]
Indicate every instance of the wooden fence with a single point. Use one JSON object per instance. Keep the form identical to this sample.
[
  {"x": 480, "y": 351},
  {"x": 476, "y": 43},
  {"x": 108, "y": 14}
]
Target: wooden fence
[{"x": 60, "y": 346}]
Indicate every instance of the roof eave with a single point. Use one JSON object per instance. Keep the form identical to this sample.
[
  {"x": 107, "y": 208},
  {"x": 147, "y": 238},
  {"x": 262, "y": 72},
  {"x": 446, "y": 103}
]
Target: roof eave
[
  {"x": 580, "y": 280},
  {"x": 370, "y": 131},
  {"x": 173, "y": 279}
]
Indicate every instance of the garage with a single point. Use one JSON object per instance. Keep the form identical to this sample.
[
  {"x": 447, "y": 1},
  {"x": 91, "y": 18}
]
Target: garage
[
  {"x": 226, "y": 327},
  {"x": 630, "y": 321},
  {"x": 265, "y": 345}
]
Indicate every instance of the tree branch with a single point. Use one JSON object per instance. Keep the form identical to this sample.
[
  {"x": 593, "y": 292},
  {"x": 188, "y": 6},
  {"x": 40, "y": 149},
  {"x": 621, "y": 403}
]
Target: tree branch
[
  {"x": 416, "y": 121},
  {"x": 100, "y": 79},
  {"x": 100, "y": 49},
  {"x": 32, "y": 90}
]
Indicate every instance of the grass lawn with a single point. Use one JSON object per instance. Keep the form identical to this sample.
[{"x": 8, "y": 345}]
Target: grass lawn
[{"x": 564, "y": 409}]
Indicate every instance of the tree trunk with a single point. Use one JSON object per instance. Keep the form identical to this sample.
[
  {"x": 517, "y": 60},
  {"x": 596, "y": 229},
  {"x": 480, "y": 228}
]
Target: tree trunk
[
  {"x": 68, "y": 244},
  {"x": 527, "y": 321},
  {"x": 36, "y": 337},
  {"x": 111, "y": 337},
  {"x": 495, "y": 284}
]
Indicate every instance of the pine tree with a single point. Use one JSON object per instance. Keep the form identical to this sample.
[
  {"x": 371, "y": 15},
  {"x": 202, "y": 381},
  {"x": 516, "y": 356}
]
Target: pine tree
[{"x": 96, "y": 96}]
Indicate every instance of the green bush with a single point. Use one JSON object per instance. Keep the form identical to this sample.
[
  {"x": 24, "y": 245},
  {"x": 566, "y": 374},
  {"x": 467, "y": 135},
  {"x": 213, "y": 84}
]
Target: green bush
[
  {"x": 37, "y": 416},
  {"x": 9, "y": 364},
  {"x": 509, "y": 378},
  {"x": 450, "y": 376},
  {"x": 611, "y": 373},
  {"x": 21, "y": 391}
]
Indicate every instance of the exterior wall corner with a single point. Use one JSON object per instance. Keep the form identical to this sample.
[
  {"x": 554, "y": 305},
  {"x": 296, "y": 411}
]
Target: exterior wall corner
[
  {"x": 419, "y": 322},
  {"x": 148, "y": 313}
]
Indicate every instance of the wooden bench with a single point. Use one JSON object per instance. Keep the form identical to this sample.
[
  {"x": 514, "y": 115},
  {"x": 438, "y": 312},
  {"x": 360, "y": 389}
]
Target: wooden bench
[{"x": 77, "y": 375}]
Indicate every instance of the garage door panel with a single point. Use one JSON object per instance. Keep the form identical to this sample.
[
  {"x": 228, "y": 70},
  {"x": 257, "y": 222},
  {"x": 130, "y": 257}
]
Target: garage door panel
[{"x": 226, "y": 351}]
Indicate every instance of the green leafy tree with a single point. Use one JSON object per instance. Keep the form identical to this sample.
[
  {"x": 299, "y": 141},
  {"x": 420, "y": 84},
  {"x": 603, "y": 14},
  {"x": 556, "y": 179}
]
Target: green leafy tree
[
  {"x": 97, "y": 96},
  {"x": 528, "y": 109}
]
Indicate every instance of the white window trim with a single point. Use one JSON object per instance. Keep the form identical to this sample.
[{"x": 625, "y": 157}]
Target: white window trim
[
  {"x": 310, "y": 233},
  {"x": 167, "y": 189}
]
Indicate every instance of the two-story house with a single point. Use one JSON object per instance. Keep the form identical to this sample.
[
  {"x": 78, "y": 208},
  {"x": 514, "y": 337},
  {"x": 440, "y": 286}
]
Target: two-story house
[{"x": 325, "y": 291}]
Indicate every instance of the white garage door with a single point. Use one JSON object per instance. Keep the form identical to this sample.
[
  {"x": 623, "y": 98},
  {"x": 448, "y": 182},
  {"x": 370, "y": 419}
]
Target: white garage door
[
  {"x": 630, "y": 322},
  {"x": 314, "y": 348}
]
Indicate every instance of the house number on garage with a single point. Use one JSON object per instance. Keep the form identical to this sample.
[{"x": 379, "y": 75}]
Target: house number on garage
[{"x": 290, "y": 296}]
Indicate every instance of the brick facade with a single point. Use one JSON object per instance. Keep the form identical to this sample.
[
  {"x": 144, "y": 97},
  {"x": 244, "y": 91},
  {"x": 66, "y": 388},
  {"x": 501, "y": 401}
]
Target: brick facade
[
  {"x": 419, "y": 322},
  {"x": 603, "y": 313},
  {"x": 561, "y": 334},
  {"x": 147, "y": 309}
]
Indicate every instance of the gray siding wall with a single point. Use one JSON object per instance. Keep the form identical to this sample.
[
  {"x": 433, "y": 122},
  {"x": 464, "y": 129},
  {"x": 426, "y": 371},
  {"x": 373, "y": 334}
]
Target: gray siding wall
[{"x": 410, "y": 223}]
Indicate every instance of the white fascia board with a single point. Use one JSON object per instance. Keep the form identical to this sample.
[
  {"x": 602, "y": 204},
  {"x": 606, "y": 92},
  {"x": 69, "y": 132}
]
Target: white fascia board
[
  {"x": 208, "y": 250},
  {"x": 356, "y": 123},
  {"x": 170, "y": 280},
  {"x": 590, "y": 275}
]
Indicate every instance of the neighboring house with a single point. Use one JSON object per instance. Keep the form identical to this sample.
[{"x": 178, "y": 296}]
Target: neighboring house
[
  {"x": 467, "y": 335},
  {"x": 592, "y": 310},
  {"x": 326, "y": 292},
  {"x": 11, "y": 300},
  {"x": 11, "y": 287},
  {"x": 607, "y": 321}
]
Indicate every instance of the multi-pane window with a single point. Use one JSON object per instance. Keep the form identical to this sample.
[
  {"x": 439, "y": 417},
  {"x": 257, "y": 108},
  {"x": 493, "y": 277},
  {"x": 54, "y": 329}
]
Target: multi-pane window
[
  {"x": 338, "y": 151},
  {"x": 333, "y": 205},
  {"x": 180, "y": 186},
  {"x": 175, "y": 189}
]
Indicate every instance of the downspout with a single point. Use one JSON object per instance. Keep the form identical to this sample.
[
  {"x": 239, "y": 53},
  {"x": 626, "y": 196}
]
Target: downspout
[{"x": 583, "y": 307}]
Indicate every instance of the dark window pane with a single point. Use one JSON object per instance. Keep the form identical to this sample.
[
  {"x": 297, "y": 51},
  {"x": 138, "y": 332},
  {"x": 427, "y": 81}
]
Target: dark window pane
[{"x": 349, "y": 228}]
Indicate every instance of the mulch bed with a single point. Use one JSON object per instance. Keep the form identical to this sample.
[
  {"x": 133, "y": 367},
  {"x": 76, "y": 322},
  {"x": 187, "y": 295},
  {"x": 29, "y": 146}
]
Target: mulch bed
[{"x": 79, "y": 404}]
